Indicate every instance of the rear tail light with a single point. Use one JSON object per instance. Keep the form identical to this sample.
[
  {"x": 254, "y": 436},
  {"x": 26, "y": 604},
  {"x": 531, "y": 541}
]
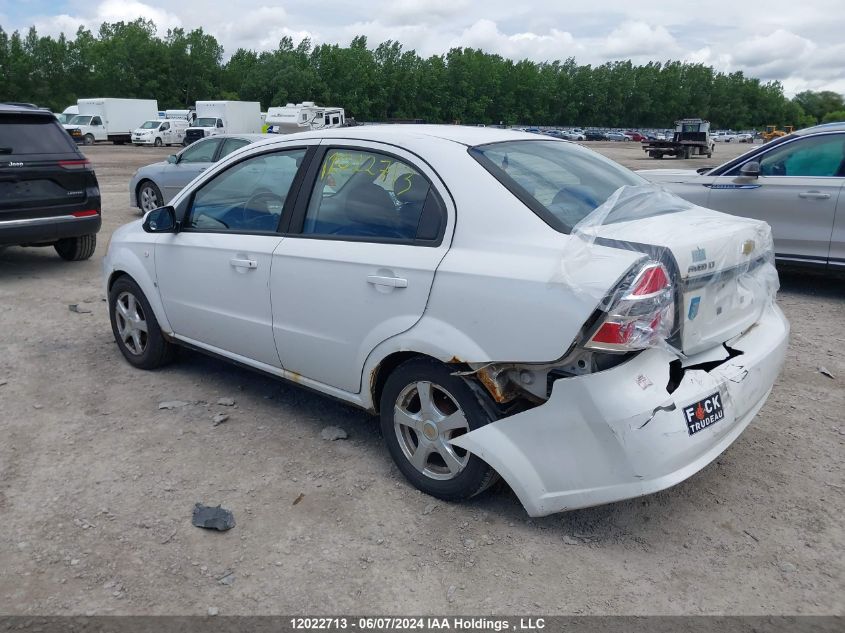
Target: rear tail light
[
  {"x": 643, "y": 313},
  {"x": 75, "y": 164},
  {"x": 85, "y": 214}
]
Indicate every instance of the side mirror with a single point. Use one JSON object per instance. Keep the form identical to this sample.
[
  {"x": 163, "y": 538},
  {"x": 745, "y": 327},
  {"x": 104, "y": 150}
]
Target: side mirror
[
  {"x": 162, "y": 220},
  {"x": 173, "y": 159},
  {"x": 751, "y": 169}
]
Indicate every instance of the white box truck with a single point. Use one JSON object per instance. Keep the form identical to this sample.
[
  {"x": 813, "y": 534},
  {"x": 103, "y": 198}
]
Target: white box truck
[
  {"x": 110, "y": 119},
  {"x": 225, "y": 117}
]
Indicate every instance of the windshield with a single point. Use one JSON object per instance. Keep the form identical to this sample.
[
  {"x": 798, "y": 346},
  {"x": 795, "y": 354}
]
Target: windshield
[
  {"x": 561, "y": 182},
  {"x": 150, "y": 125},
  {"x": 81, "y": 119},
  {"x": 205, "y": 122}
]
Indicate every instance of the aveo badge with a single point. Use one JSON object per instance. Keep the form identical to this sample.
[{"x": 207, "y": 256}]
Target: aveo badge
[
  {"x": 704, "y": 413},
  {"x": 693, "y": 308}
]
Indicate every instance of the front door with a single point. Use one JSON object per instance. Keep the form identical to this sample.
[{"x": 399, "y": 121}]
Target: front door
[
  {"x": 796, "y": 193},
  {"x": 190, "y": 163},
  {"x": 357, "y": 264},
  {"x": 215, "y": 275}
]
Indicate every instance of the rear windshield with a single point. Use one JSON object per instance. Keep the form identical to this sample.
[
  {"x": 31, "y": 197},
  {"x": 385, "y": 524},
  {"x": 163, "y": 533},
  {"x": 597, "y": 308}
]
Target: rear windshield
[
  {"x": 561, "y": 182},
  {"x": 28, "y": 134}
]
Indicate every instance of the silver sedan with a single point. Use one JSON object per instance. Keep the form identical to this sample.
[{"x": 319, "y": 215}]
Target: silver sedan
[
  {"x": 155, "y": 185},
  {"x": 795, "y": 183}
]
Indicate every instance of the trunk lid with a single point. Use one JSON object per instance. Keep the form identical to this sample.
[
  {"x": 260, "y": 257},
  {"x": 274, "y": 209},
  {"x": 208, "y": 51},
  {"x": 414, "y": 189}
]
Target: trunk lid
[{"x": 723, "y": 266}]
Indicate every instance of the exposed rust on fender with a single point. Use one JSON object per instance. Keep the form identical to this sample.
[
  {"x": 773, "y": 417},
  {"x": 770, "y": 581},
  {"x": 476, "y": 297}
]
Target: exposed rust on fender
[
  {"x": 454, "y": 360},
  {"x": 501, "y": 390}
]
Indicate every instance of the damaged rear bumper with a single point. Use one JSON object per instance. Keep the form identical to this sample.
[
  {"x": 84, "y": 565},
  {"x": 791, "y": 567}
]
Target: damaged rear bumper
[{"x": 620, "y": 434}]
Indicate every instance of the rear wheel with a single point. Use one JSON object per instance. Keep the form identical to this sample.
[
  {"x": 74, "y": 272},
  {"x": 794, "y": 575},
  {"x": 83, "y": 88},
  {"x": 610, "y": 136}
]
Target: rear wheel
[
  {"x": 149, "y": 196},
  {"x": 135, "y": 327},
  {"x": 423, "y": 406},
  {"x": 74, "y": 249}
]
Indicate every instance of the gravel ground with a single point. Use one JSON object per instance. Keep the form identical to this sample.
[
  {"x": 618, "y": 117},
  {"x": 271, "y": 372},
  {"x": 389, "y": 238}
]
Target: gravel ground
[{"x": 97, "y": 483}]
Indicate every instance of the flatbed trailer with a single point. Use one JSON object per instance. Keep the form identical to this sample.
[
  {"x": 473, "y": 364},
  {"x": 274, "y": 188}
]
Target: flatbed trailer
[{"x": 691, "y": 138}]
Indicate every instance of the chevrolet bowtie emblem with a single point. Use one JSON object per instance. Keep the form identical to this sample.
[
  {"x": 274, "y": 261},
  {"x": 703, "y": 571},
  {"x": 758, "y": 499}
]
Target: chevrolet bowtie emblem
[{"x": 747, "y": 247}]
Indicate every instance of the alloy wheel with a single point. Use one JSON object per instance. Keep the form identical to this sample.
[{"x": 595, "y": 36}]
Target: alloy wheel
[
  {"x": 425, "y": 418},
  {"x": 131, "y": 323}
]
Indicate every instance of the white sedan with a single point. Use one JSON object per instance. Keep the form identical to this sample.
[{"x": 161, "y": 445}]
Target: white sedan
[{"x": 510, "y": 305}]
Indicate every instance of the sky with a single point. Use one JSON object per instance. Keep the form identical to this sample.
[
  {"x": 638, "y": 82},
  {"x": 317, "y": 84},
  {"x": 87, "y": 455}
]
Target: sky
[{"x": 801, "y": 44}]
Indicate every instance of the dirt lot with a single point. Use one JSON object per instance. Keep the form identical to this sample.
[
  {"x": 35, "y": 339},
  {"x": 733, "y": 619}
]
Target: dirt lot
[{"x": 97, "y": 484}]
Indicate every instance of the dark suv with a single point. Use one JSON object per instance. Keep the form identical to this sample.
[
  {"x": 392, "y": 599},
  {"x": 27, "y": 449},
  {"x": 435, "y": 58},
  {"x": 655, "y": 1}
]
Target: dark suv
[{"x": 48, "y": 191}]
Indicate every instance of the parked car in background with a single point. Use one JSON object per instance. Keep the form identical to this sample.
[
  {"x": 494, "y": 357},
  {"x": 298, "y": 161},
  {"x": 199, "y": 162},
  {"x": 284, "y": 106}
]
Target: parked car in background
[
  {"x": 594, "y": 135},
  {"x": 49, "y": 194},
  {"x": 575, "y": 135},
  {"x": 616, "y": 136},
  {"x": 158, "y": 132},
  {"x": 335, "y": 259},
  {"x": 723, "y": 137},
  {"x": 636, "y": 136},
  {"x": 794, "y": 183},
  {"x": 744, "y": 137},
  {"x": 155, "y": 185}
]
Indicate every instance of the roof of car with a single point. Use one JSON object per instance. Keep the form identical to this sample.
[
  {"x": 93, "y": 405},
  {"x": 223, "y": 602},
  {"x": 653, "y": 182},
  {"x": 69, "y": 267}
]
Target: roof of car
[
  {"x": 27, "y": 108},
  {"x": 403, "y": 134},
  {"x": 824, "y": 127}
]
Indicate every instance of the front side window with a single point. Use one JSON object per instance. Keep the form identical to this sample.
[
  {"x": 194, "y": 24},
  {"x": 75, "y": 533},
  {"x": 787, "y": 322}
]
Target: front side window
[
  {"x": 359, "y": 193},
  {"x": 813, "y": 156},
  {"x": 561, "y": 182},
  {"x": 200, "y": 152},
  {"x": 164, "y": 127},
  {"x": 248, "y": 197},
  {"x": 96, "y": 121}
]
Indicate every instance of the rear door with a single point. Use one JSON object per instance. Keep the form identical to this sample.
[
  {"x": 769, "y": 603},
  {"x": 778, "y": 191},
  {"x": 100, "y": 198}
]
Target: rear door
[
  {"x": 356, "y": 267},
  {"x": 42, "y": 173},
  {"x": 796, "y": 193}
]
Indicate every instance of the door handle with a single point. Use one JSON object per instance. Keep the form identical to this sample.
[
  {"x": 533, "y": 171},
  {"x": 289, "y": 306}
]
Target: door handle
[
  {"x": 392, "y": 282},
  {"x": 243, "y": 263},
  {"x": 815, "y": 195}
]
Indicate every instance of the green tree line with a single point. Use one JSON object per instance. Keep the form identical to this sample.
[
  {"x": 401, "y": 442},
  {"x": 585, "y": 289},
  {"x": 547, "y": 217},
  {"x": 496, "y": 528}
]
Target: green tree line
[{"x": 390, "y": 82}]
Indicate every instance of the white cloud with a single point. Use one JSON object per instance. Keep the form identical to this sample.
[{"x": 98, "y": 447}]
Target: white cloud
[
  {"x": 109, "y": 11},
  {"x": 803, "y": 49}
]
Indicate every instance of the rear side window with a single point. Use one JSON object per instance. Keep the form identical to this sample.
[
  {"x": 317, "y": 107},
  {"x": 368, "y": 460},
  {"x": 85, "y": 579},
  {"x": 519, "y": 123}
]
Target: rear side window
[
  {"x": 365, "y": 194},
  {"x": 33, "y": 134}
]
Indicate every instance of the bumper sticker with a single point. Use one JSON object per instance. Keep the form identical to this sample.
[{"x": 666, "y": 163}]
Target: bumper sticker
[{"x": 704, "y": 413}]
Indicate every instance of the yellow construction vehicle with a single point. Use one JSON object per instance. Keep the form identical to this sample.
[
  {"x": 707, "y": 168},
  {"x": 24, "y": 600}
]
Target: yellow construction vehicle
[{"x": 772, "y": 131}]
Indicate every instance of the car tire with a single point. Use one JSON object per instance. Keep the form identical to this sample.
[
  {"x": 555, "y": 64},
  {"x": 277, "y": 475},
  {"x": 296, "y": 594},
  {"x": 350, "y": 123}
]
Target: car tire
[
  {"x": 423, "y": 404},
  {"x": 157, "y": 142},
  {"x": 149, "y": 196},
  {"x": 75, "y": 249},
  {"x": 88, "y": 139},
  {"x": 130, "y": 313}
]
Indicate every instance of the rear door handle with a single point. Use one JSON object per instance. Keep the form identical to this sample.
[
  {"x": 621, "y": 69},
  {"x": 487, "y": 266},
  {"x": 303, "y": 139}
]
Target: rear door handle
[
  {"x": 243, "y": 263},
  {"x": 392, "y": 282},
  {"x": 815, "y": 195}
]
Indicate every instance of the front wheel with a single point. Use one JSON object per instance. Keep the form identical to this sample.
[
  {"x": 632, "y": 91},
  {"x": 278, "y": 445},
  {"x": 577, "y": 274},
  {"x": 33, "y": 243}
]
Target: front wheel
[
  {"x": 157, "y": 142},
  {"x": 149, "y": 196},
  {"x": 423, "y": 407},
  {"x": 88, "y": 140},
  {"x": 135, "y": 327}
]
